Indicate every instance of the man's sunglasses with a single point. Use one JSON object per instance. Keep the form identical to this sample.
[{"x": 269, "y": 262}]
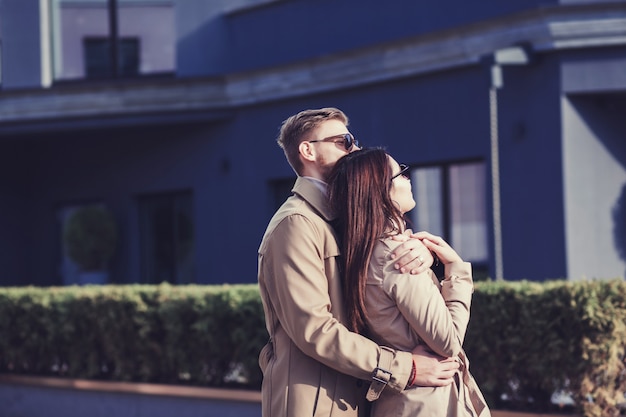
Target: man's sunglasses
[
  {"x": 403, "y": 169},
  {"x": 347, "y": 138}
]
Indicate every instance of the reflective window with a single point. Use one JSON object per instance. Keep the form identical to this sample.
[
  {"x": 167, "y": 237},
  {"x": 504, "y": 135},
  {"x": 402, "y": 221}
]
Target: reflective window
[
  {"x": 428, "y": 214},
  {"x": 89, "y": 226},
  {"x": 98, "y": 57},
  {"x": 468, "y": 213},
  {"x": 167, "y": 238},
  {"x": 451, "y": 202},
  {"x": 106, "y": 38}
]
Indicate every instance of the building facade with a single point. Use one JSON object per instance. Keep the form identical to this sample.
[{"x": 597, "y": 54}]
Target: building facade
[{"x": 166, "y": 112}]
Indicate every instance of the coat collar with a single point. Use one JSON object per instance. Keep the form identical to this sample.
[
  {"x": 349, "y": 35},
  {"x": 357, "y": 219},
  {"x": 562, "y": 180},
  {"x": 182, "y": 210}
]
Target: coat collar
[{"x": 311, "y": 193}]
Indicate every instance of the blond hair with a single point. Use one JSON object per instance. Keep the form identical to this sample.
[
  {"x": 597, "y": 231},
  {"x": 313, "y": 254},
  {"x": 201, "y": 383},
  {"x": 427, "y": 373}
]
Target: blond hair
[{"x": 296, "y": 129}]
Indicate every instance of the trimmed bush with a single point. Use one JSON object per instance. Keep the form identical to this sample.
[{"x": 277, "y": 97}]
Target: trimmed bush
[
  {"x": 525, "y": 340},
  {"x": 90, "y": 236},
  {"x": 202, "y": 335}
]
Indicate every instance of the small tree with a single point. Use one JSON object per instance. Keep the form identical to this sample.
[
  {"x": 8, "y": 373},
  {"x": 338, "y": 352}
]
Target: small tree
[{"x": 90, "y": 237}]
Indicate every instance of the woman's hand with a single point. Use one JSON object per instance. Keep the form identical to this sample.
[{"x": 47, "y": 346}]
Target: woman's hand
[
  {"x": 411, "y": 256},
  {"x": 439, "y": 247}
]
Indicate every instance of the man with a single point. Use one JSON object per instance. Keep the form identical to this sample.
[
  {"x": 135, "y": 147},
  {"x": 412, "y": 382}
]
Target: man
[{"x": 313, "y": 365}]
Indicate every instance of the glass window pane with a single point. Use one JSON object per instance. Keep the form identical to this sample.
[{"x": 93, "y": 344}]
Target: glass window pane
[
  {"x": 70, "y": 271},
  {"x": 72, "y": 22},
  {"x": 97, "y": 58},
  {"x": 184, "y": 238},
  {"x": 128, "y": 61},
  {"x": 167, "y": 240},
  {"x": 428, "y": 194},
  {"x": 145, "y": 39},
  {"x": 468, "y": 225},
  {"x": 151, "y": 23}
]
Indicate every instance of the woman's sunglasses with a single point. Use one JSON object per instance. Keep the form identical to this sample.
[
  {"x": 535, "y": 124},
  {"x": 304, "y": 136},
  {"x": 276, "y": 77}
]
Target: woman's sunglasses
[
  {"x": 403, "y": 169},
  {"x": 347, "y": 138}
]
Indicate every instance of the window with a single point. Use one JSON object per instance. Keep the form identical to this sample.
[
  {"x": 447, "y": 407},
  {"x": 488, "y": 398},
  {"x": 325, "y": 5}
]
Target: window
[
  {"x": 112, "y": 38},
  {"x": 92, "y": 266},
  {"x": 69, "y": 271},
  {"x": 166, "y": 238},
  {"x": 451, "y": 202},
  {"x": 98, "y": 57}
]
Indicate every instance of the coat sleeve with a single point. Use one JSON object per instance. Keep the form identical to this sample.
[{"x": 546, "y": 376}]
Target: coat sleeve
[
  {"x": 294, "y": 273},
  {"x": 457, "y": 288},
  {"x": 438, "y": 315}
]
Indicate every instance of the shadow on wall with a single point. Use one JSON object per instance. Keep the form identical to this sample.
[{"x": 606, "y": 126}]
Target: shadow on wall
[{"x": 619, "y": 224}]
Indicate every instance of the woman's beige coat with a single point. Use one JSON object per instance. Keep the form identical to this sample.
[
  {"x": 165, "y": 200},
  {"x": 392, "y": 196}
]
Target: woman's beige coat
[
  {"x": 312, "y": 366},
  {"x": 406, "y": 310}
]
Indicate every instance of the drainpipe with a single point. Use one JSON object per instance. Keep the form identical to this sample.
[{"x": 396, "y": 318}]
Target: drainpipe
[{"x": 506, "y": 56}]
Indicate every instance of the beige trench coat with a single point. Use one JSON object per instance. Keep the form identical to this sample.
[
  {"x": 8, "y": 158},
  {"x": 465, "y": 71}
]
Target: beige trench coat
[
  {"x": 407, "y": 310},
  {"x": 312, "y": 366}
]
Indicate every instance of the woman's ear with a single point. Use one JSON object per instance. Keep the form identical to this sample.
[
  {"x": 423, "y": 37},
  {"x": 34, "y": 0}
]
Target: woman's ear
[{"x": 307, "y": 151}]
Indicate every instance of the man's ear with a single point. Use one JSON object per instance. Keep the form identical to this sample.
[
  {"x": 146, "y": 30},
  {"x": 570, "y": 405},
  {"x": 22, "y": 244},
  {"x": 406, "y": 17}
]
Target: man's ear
[{"x": 307, "y": 151}]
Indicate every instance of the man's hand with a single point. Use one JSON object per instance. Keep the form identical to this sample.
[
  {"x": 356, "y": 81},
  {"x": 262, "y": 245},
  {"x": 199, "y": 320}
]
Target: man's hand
[
  {"x": 433, "y": 370},
  {"x": 412, "y": 255}
]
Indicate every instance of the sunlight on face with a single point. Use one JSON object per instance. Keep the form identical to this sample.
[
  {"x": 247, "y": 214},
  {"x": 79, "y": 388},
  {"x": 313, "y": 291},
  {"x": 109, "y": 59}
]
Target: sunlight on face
[{"x": 401, "y": 192}]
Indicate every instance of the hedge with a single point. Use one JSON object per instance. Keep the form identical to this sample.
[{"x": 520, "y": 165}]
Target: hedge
[
  {"x": 525, "y": 340},
  {"x": 201, "y": 335},
  {"x": 529, "y": 340}
]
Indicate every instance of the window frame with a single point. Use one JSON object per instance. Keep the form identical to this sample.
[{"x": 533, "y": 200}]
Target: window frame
[
  {"x": 164, "y": 69},
  {"x": 480, "y": 267}
]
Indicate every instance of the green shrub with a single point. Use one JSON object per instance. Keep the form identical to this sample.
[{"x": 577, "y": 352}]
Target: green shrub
[
  {"x": 90, "y": 236},
  {"x": 203, "y": 335},
  {"x": 525, "y": 340}
]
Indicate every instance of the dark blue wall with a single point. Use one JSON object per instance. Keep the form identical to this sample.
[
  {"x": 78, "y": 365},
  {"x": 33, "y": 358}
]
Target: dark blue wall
[
  {"x": 289, "y": 31},
  {"x": 445, "y": 118},
  {"x": 295, "y": 30},
  {"x": 229, "y": 164},
  {"x": 532, "y": 172},
  {"x": 21, "y": 47}
]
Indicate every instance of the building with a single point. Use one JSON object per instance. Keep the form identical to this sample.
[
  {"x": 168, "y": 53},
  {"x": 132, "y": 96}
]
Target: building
[{"x": 511, "y": 115}]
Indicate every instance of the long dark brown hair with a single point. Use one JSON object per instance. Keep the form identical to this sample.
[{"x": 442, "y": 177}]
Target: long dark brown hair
[{"x": 358, "y": 191}]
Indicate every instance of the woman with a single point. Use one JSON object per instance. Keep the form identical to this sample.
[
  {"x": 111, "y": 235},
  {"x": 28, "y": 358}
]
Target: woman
[{"x": 370, "y": 193}]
